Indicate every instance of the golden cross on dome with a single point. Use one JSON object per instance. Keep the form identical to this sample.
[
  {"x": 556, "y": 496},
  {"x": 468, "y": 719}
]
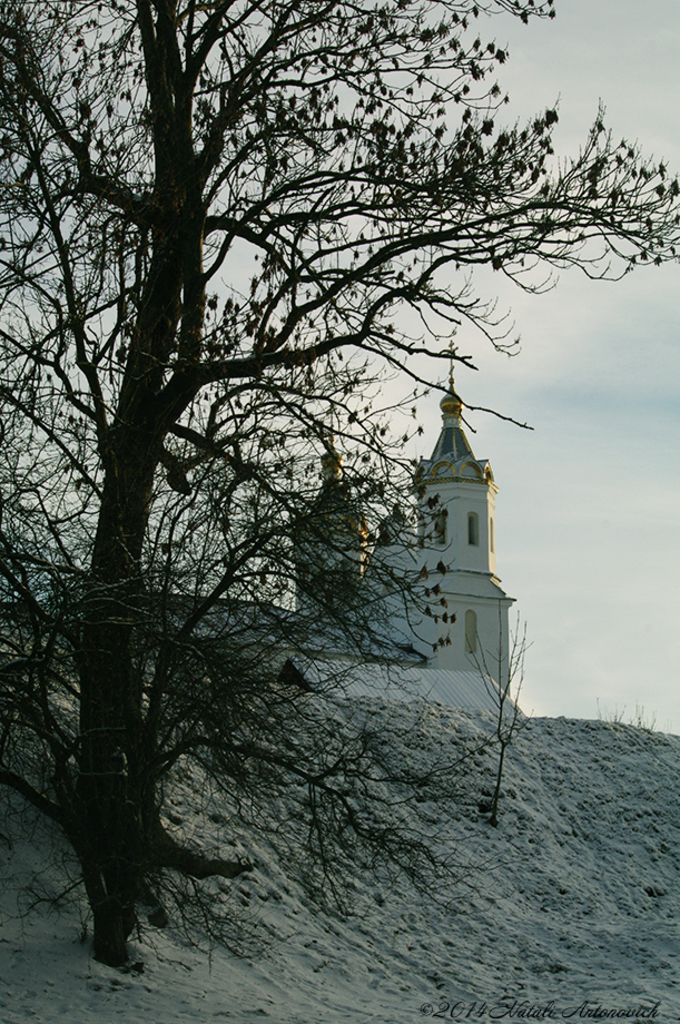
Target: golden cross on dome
[{"x": 451, "y": 362}]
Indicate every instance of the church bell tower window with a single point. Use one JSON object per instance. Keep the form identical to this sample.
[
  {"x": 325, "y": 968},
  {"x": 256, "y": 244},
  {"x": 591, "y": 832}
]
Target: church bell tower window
[
  {"x": 473, "y": 529},
  {"x": 470, "y": 632},
  {"x": 440, "y": 528}
]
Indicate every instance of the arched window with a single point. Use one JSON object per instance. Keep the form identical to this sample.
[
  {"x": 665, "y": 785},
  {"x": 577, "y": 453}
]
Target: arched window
[
  {"x": 470, "y": 631},
  {"x": 491, "y": 534},
  {"x": 473, "y": 529},
  {"x": 440, "y": 528}
]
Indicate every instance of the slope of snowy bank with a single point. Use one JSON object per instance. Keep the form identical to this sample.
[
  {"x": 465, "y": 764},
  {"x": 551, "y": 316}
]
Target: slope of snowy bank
[{"x": 568, "y": 910}]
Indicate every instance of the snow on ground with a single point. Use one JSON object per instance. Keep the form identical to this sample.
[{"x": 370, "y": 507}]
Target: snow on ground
[{"x": 571, "y": 912}]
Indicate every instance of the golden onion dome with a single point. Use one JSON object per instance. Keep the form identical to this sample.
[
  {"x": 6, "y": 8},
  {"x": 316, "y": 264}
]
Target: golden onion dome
[{"x": 451, "y": 404}]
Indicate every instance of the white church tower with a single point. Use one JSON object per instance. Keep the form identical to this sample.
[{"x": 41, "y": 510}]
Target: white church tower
[
  {"x": 468, "y": 627},
  {"x": 439, "y": 617}
]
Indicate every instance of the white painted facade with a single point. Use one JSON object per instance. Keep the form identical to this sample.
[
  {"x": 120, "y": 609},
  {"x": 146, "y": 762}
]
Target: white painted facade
[
  {"x": 454, "y": 553},
  {"x": 457, "y": 503},
  {"x": 433, "y": 589}
]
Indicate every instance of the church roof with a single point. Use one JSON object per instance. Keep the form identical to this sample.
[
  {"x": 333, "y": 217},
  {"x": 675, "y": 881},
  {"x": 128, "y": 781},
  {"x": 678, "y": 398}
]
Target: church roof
[
  {"x": 452, "y": 444},
  {"x": 453, "y": 451},
  {"x": 457, "y": 689}
]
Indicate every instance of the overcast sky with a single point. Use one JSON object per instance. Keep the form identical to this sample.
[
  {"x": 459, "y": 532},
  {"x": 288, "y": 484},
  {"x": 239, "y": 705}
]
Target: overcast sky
[{"x": 587, "y": 515}]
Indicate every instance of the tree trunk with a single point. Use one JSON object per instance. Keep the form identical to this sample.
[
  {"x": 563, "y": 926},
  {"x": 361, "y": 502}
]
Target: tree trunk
[
  {"x": 116, "y": 796},
  {"x": 112, "y": 894},
  {"x": 111, "y": 930}
]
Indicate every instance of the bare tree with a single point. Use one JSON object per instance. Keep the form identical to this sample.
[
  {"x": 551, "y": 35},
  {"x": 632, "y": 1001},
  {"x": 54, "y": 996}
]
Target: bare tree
[
  {"x": 212, "y": 218},
  {"x": 502, "y": 672}
]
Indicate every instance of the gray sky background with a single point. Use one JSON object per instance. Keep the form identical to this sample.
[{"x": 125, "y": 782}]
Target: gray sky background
[{"x": 588, "y": 537}]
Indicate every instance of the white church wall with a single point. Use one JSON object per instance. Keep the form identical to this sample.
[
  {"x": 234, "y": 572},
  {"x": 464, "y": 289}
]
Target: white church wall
[
  {"x": 432, "y": 592},
  {"x": 485, "y": 644},
  {"x": 459, "y": 553},
  {"x": 448, "y": 538}
]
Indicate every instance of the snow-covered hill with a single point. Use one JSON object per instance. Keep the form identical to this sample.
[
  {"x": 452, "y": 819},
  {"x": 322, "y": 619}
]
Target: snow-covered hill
[{"x": 571, "y": 911}]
